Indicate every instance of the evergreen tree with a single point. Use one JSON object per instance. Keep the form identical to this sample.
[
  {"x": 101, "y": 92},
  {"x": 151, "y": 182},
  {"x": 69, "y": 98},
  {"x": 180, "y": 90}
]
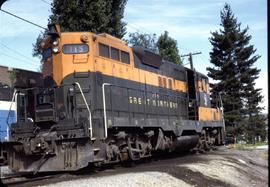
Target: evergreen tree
[
  {"x": 117, "y": 26},
  {"x": 233, "y": 59},
  {"x": 226, "y": 71},
  {"x": 90, "y": 15},
  {"x": 143, "y": 39},
  {"x": 252, "y": 97},
  {"x": 167, "y": 47}
]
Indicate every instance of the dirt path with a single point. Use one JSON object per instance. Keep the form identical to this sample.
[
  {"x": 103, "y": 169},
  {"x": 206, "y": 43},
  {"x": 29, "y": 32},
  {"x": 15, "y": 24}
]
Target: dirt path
[{"x": 224, "y": 167}]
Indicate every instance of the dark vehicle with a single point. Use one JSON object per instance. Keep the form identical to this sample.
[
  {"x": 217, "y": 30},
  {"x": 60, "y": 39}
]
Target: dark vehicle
[
  {"x": 109, "y": 103},
  {"x": 5, "y": 111}
]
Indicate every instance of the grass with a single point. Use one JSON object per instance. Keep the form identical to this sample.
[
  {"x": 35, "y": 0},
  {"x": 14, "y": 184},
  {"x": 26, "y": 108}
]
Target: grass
[{"x": 249, "y": 146}]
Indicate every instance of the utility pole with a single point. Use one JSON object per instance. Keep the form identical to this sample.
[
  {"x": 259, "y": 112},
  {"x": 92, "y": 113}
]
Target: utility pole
[{"x": 190, "y": 58}]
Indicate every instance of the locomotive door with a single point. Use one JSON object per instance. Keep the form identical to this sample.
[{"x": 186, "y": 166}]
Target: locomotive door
[{"x": 192, "y": 99}]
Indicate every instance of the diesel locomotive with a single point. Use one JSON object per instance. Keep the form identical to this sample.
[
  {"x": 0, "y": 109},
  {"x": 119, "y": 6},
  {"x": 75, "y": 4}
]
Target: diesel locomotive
[{"x": 106, "y": 102}]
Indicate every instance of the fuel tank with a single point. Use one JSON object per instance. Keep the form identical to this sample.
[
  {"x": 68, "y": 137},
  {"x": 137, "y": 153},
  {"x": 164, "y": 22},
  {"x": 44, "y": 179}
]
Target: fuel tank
[{"x": 184, "y": 143}]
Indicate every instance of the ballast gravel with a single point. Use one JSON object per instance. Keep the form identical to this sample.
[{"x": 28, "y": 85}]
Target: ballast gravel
[{"x": 145, "y": 179}]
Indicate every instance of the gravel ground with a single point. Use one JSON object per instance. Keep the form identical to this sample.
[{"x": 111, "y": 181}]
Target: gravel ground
[
  {"x": 224, "y": 167},
  {"x": 128, "y": 179}
]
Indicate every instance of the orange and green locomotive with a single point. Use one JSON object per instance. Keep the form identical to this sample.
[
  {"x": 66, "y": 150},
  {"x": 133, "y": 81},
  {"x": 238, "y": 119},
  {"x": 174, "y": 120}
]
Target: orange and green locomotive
[{"x": 105, "y": 102}]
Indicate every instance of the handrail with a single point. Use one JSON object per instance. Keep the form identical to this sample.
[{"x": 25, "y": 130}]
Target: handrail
[
  {"x": 12, "y": 100},
  {"x": 89, "y": 112},
  {"x": 104, "y": 108}
]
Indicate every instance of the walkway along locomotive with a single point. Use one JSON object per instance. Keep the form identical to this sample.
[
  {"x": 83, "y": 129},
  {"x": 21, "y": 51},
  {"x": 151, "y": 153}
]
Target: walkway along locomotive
[{"x": 108, "y": 103}]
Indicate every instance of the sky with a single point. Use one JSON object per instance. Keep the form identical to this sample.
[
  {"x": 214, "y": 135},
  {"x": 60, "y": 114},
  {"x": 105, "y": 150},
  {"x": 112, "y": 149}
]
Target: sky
[{"x": 189, "y": 22}]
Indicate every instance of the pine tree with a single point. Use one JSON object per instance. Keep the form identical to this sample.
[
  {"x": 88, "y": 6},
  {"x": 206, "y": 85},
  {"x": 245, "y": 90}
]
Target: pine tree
[
  {"x": 233, "y": 59},
  {"x": 167, "y": 47},
  {"x": 117, "y": 26},
  {"x": 252, "y": 97},
  {"x": 90, "y": 15},
  {"x": 256, "y": 126},
  {"x": 225, "y": 70}
]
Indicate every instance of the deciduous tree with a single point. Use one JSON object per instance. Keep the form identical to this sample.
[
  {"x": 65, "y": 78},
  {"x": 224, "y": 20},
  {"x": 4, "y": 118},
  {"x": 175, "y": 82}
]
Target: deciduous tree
[
  {"x": 148, "y": 41},
  {"x": 167, "y": 47}
]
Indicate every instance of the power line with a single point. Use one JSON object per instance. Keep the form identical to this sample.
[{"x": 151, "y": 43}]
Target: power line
[
  {"x": 23, "y": 19},
  {"x": 138, "y": 28},
  {"x": 20, "y": 60},
  {"x": 142, "y": 28},
  {"x": 46, "y": 2},
  {"x": 13, "y": 50},
  {"x": 190, "y": 58},
  {"x": 128, "y": 25},
  {"x": 205, "y": 59},
  {"x": 185, "y": 49}
]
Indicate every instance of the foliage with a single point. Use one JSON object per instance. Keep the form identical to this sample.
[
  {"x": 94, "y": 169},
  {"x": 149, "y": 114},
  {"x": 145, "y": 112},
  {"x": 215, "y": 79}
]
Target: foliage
[
  {"x": 12, "y": 77},
  {"x": 249, "y": 146},
  {"x": 37, "y": 51},
  {"x": 167, "y": 47},
  {"x": 90, "y": 15},
  {"x": 148, "y": 41},
  {"x": 233, "y": 59},
  {"x": 225, "y": 70},
  {"x": 256, "y": 127}
]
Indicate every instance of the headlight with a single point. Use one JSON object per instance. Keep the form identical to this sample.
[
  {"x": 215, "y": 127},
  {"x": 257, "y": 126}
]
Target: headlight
[
  {"x": 55, "y": 49},
  {"x": 84, "y": 38},
  {"x": 55, "y": 42}
]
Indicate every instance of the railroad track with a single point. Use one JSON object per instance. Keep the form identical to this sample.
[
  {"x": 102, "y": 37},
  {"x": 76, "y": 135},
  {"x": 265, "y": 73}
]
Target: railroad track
[
  {"x": 17, "y": 179},
  {"x": 29, "y": 179}
]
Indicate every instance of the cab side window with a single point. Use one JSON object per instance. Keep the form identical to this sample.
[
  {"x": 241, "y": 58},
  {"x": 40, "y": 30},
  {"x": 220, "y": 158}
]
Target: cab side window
[
  {"x": 115, "y": 54},
  {"x": 124, "y": 57},
  {"x": 104, "y": 50}
]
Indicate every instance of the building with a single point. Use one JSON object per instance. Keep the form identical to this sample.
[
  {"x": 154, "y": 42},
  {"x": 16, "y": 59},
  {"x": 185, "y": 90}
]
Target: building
[
  {"x": 5, "y": 76},
  {"x": 19, "y": 78}
]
